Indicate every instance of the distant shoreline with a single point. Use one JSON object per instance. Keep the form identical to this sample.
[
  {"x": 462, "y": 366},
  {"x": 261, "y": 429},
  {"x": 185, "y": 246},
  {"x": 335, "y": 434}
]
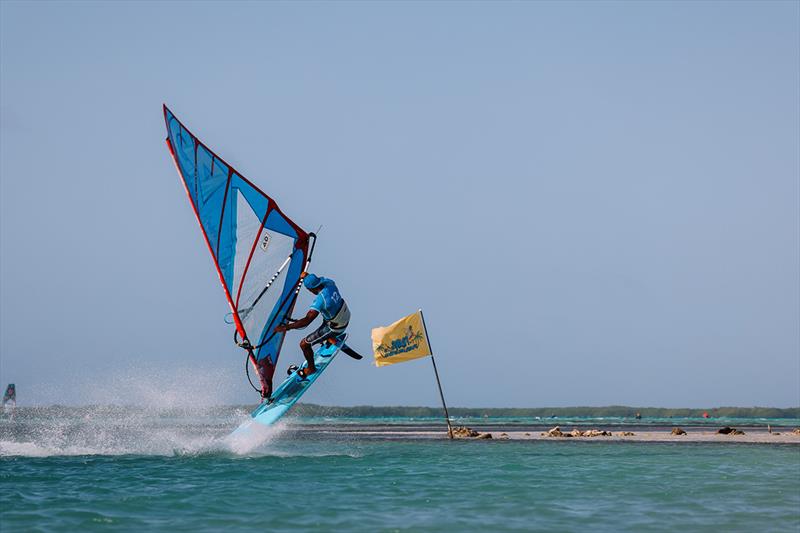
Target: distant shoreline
[
  {"x": 308, "y": 409},
  {"x": 617, "y": 411}
]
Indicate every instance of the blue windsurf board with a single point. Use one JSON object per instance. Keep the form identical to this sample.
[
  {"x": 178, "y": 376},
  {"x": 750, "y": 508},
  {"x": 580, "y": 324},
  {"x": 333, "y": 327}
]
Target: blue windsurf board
[{"x": 293, "y": 387}]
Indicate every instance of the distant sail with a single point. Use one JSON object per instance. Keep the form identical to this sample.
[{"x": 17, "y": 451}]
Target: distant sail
[
  {"x": 10, "y": 396},
  {"x": 260, "y": 253}
]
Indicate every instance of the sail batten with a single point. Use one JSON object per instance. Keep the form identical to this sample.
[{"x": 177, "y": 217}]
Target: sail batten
[{"x": 259, "y": 253}]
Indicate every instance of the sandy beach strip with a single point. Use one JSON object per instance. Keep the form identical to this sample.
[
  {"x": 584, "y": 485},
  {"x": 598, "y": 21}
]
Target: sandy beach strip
[
  {"x": 753, "y": 437},
  {"x": 759, "y": 436}
]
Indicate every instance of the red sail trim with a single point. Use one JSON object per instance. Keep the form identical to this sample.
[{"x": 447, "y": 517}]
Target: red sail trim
[
  {"x": 301, "y": 234},
  {"x": 237, "y": 321}
]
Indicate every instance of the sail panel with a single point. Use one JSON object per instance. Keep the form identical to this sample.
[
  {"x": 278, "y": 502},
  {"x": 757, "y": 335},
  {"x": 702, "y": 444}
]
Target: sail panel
[
  {"x": 269, "y": 344},
  {"x": 258, "y": 251}
]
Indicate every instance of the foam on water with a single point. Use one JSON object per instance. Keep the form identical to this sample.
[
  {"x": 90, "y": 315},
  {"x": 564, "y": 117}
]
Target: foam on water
[
  {"x": 137, "y": 410},
  {"x": 251, "y": 436},
  {"x": 104, "y": 431},
  {"x": 119, "y": 431}
]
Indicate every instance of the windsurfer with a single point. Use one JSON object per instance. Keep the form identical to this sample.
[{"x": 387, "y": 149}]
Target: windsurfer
[
  {"x": 10, "y": 396},
  {"x": 335, "y": 317}
]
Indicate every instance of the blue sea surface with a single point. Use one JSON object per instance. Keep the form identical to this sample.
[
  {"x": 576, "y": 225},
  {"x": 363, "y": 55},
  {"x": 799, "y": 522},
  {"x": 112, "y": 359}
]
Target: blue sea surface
[{"x": 91, "y": 470}]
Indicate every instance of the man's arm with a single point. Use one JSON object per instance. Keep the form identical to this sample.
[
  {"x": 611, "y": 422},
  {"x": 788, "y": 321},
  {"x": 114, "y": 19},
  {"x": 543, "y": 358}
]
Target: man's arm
[{"x": 299, "y": 324}]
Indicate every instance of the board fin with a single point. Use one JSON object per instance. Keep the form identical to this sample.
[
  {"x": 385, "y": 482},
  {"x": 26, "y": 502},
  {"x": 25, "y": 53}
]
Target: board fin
[{"x": 351, "y": 352}]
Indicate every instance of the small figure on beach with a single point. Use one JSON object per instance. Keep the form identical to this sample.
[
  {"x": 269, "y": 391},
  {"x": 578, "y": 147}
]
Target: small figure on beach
[{"x": 335, "y": 317}]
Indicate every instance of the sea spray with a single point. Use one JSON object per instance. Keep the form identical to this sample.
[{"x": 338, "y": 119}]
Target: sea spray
[
  {"x": 157, "y": 385},
  {"x": 103, "y": 430},
  {"x": 251, "y": 435}
]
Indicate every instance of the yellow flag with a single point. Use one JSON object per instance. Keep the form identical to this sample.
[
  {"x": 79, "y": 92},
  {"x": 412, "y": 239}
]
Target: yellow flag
[{"x": 404, "y": 340}]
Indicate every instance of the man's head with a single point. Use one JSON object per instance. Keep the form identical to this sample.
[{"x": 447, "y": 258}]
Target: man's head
[{"x": 312, "y": 283}]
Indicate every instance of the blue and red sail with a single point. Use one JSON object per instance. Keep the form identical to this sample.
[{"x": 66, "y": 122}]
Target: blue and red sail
[{"x": 260, "y": 253}]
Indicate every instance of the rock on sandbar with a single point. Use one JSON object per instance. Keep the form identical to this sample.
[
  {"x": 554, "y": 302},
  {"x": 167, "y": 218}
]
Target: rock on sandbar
[
  {"x": 463, "y": 432},
  {"x": 556, "y": 432}
]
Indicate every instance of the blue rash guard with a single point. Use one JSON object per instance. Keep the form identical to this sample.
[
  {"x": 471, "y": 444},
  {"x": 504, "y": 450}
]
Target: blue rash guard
[{"x": 328, "y": 302}]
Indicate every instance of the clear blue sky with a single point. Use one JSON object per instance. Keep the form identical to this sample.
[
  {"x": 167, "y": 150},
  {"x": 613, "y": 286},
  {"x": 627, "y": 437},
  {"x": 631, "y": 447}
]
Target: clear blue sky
[{"x": 594, "y": 203}]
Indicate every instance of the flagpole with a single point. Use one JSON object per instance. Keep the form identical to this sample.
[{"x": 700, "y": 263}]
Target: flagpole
[{"x": 436, "y": 373}]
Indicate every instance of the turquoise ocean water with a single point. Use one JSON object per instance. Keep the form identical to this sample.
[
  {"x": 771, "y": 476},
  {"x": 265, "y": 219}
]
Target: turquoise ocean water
[{"x": 99, "y": 469}]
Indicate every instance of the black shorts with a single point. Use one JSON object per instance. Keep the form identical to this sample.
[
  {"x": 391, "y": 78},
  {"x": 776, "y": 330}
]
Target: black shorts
[{"x": 325, "y": 331}]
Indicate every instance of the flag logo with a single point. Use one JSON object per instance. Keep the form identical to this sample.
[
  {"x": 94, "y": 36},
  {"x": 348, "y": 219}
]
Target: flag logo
[
  {"x": 408, "y": 342},
  {"x": 403, "y": 340}
]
